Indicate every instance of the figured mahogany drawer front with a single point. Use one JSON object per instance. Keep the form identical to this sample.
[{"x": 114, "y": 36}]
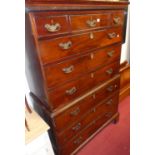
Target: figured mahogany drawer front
[
  {"x": 56, "y": 49},
  {"x": 89, "y": 21},
  {"x": 98, "y": 121},
  {"x": 59, "y": 73},
  {"x": 108, "y": 105},
  {"x": 48, "y": 24},
  {"x": 70, "y": 91}
]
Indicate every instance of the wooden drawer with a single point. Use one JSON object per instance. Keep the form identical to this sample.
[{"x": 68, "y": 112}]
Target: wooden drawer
[
  {"x": 89, "y": 21},
  {"x": 48, "y": 24},
  {"x": 56, "y": 49},
  {"x": 70, "y": 91},
  {"x": 70, "y": 69},
  {"x": 87, "y": 132},
  {"x": 108, "y": 105}
]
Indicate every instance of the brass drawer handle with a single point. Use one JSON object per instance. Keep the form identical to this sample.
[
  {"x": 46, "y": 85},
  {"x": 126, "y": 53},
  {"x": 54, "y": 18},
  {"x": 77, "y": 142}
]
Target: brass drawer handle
[
  {"x": 78, "y": 141},
  {"x": 112, "y": 35},
  {"x": 109, "y": 102},
  {"x": 53, "y": 27},
  {"x": 110, "y": 53},
  {"x": 110, "y": 88},
  {"x": 116, "y": 20},
  {"x": 75, "y": 112},
  {"x": 108, "y": 114},
  {"x": 71, "y": 91},
  {"x": 68, "y": 70},
  {"x": 77, "y": 127},
  {"x": 91, "y": 22},
  {"x": 109, "y": 71},
  {"x": 66, "y": 45}
]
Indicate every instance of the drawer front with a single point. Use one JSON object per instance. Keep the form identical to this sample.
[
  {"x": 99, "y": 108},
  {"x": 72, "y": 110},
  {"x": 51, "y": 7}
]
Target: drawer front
[
  {"x": 108, "y": 105},
  {"x": 86, "y": 133},
  {"x": 70, "y": 69},
  {"x": 89, "y": 21},
  {"x": 50, "y": 25},
  {"x": 70, "y": 91},
  {"x": 56, "y": 49}
]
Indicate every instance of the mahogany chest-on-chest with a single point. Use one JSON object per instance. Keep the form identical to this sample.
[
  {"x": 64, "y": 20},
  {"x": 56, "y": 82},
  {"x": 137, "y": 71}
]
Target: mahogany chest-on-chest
[{"x": 73, "y": 52}]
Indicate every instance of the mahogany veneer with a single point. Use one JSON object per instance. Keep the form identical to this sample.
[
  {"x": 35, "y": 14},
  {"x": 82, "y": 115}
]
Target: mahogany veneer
[{"x": 72, "y": 65}]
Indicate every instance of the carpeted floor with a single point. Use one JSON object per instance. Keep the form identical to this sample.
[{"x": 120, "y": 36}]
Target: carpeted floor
[{"x": 115, "y": 138}]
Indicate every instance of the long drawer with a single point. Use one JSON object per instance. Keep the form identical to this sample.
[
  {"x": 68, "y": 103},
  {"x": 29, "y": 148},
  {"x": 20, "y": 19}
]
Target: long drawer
[
  {"x": 108, "y": 105},
  {"x": 70, "y": 91},
  {"x": 61, "y": 72},
  {"x": 86, "y": 133},
  {"x": 52, "y": 50}
]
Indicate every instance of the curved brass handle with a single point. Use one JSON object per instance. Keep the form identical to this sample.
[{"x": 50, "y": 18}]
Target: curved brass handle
[
  {"x": 91, "y": 22},
  {"x": 77, "y": 127},
  {"x": 110, "y": 88},
  {"x": 68, "y": 70},
  {"x": 112, "y": 35},
  {"x": 109, "y": 71},
  {"x": 116, "y": 20},
  {"x": 53, "y": 27},
  {"x": 109, "y": 102},
  {"x": 110, "y": 53},
  {"x": 66, "y": 45},
  {"x": 108, "y": 114},
  {"x": 75, "y": 112},
  {"x": 78, "y": 141},
  {"x": 71, "y": 91}
]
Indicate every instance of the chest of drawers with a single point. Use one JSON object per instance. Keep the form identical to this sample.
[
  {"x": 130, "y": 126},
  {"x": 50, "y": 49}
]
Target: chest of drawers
[{"x": 72, "y": 65}]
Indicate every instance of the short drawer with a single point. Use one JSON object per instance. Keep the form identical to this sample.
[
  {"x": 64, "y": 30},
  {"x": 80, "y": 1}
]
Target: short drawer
[
  {"x": 61, "y": 72},
  {"x": 86, "y": 133},
  {"x": 52, "y": 50},
  {"x": 105, "y": 106},
  {"x": 48, "y": 24},
  {"x": 89, "y": 21},
  {"x": 70, "y": 91}
]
